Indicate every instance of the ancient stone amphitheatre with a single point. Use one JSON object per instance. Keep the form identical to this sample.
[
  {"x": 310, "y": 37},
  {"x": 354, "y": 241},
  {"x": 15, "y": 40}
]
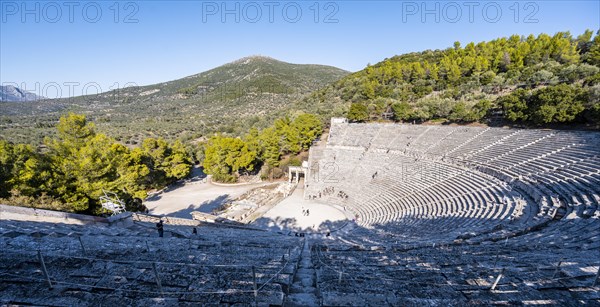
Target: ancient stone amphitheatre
[{"x": 401, "y": 215}]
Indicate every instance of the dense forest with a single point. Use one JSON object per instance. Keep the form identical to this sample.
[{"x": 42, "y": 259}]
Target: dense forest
[
  {"x": 226, "y": 157},
  {"x": 527, "y": 80},
  {"x": 72, "y": 171}
]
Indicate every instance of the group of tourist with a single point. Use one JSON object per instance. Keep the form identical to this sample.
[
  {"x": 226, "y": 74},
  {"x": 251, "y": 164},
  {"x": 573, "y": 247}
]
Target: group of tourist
[
  {"x": 329, "y": 191},
  {"x": 305, "y": 212},
  {"x": 342, "y": 195}
]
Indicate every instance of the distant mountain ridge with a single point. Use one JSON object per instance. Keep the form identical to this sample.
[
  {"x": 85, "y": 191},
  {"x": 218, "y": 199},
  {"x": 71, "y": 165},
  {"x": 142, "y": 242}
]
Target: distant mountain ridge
[
  {"x": 248, "y": 75},
  {"x": 13, "y": 93},
  {"x": 231, "y": 98}
]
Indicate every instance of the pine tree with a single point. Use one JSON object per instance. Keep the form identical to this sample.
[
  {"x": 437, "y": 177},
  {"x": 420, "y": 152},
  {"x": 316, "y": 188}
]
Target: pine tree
[{"x": 593, "y": 56}]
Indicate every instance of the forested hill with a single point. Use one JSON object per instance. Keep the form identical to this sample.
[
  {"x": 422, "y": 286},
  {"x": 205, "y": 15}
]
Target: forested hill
[
  {"x": 525, "y": 79},
  {"x": 251, "y": 91}
]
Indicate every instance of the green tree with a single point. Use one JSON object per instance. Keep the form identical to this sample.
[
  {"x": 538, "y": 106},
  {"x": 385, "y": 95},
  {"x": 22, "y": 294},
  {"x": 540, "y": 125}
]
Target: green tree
[
  {"x": 515, "y": 105},
  {"x": 178, "y": 162},
  {"x": 271, "y": 148},
  {"x": 252, "y": 140},
  {"x": 450, "y": 69},
  {"x": 288, "y": 136},
  {"x": 74, "y": 129},
  {"x": 226, "y": 156},
  {"x": 22, "y": 169},
  {"x": 564, "y": 48},
  {"x": 593, "y": 56},
  {"x": 70, "y": 156},
  {"x": 168, "y": 162},
  {"x": 487, "y": 77},
  {"x": 369, "y": 89},
  {"x": 309, "y": 128},
  {"x": 133, "y": 172},
  {"x": 402, "y": 111},
  {"x": 6, "y": 167},
  {"x": 479, "y": 110},
  {"x": 459, "y": 112},
  {"x": 584, "y": 41},
  {"x": 560, "y": 103},
  {"x": 80, "y": 165},
  {"x": 358, "y": 112},
  {"x": 290, "y": 140}
]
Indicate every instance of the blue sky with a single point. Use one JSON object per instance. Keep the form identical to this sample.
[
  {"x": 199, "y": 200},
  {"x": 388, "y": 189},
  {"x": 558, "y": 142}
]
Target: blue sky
[{"x": 53, "y": 46}]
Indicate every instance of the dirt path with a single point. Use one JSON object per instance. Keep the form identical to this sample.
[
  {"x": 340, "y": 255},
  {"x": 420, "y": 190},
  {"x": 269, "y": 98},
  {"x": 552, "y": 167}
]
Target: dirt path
[
  {"x": 194, "y": 195},
  {"x": 198, "y": 195}
]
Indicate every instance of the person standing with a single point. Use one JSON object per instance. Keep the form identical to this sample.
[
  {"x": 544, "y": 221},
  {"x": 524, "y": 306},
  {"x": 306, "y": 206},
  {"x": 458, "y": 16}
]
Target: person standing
[{"x": 160, "y": 228}]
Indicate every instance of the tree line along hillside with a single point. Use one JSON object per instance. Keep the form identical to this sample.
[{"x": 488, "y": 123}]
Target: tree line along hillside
[
  {"x": 533, "y": 80},
  {"x": 226, "y": 158},
  {"x": 73, "y": 170}
]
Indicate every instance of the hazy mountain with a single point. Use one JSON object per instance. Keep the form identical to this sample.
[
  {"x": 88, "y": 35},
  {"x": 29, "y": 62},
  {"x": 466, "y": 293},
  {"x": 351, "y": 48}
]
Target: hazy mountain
[{"x": 12, "y": 93}]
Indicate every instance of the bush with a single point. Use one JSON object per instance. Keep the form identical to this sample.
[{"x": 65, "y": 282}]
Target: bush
[
  {"x": 515, "y": 105},
  {"x": 487, "y": 77},
  {"x": 294, "y": 161},
  {"x": 402, "y": 111},
  {"x": 575, "y": 72},
  {"x": 224, "y": 178},
  {"x": 480, "y": 109},
  {"x": 541, "y": 77},
  {"x": 459, "y": 112},
  {"x": 421, "y": 114},
  {"x": 358, "y": 112},
  {"x": 592, "y": 80},
  {"x": 269, "y": 173},
  {"x": 43, "y": 201},
  {"x": 560, "y": 103}
]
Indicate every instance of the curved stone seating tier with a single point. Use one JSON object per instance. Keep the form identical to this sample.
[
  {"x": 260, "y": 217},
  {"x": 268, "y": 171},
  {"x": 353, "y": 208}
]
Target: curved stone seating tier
[
  {"x": 91, "y": 264},
  {"x": 448, "y": 143},
  {"x": 401, "y": 176},
  {"x": 565, "y": 234},
  {"x": 426, "y": 179},
  {"x": 534, "y": 271}
]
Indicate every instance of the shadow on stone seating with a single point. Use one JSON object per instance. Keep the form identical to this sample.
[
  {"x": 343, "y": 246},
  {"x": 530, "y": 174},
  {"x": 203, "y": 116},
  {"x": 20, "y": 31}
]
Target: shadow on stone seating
[{"x": 290, "y": 225}]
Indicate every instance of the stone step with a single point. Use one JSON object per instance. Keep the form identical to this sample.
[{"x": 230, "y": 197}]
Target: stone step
[
  {"x": 301, "y": 299},
  {"x": 305, "y": 271},
  {"x": 301, "y": 289}
]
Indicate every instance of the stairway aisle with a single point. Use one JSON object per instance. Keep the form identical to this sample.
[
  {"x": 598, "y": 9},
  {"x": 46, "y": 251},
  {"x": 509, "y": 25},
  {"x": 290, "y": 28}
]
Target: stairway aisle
[{"x": 303, "y": 291}]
